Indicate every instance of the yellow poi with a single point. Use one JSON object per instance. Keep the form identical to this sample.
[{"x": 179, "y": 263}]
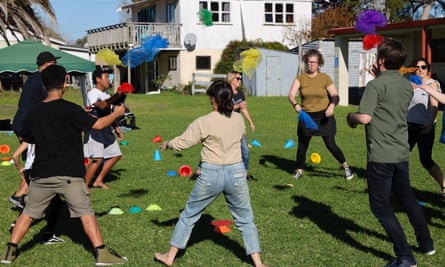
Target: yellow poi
[{"x": 248, "y": 62}]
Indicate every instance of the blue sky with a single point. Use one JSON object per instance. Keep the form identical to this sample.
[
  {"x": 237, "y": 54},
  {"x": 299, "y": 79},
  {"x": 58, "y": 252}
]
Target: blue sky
[{"x": 75, "y": 17}]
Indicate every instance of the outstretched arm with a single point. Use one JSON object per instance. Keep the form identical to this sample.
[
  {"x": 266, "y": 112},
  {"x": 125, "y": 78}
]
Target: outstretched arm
[{"x": 294, "y": 91}]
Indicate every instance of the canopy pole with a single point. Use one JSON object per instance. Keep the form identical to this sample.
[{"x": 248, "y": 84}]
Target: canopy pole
[{"x": 83, "y": 89}]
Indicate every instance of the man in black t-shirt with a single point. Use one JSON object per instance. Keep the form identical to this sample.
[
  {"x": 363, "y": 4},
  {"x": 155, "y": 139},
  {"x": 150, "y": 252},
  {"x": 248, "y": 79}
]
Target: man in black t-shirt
[{"x": 55, "y": 127}]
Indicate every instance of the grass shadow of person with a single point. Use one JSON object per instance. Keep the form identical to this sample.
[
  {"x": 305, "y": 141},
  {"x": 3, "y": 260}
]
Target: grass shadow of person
[
  {"x": 431, "y": 204},
  {"x": 334, "y": 225},
  {"x": 204, "y": 230},
  {"x": 280, "y": 163},
  {"x": 64, "y": 226}
]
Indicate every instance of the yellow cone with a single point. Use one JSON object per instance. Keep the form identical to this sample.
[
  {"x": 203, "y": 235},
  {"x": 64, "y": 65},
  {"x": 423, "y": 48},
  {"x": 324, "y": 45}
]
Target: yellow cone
[{"x": 315, "y": 158}]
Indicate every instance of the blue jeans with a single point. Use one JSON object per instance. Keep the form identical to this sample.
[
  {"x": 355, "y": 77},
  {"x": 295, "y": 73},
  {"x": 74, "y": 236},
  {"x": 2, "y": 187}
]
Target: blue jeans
[
  {"x": 214, "y": 180},
  {"x": 384, "y": 178},
  {"x": 245, "y": 152}
]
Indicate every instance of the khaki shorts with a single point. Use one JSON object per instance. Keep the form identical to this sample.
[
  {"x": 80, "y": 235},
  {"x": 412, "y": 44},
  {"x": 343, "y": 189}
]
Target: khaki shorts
[
  {"x": 73, "y": 190},
  {"x": 95, "y": 150}
]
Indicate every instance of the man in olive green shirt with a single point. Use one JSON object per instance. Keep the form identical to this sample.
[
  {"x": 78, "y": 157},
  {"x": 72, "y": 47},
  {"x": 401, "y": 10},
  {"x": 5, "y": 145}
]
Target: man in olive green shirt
[{"x": 383, "y": 109}]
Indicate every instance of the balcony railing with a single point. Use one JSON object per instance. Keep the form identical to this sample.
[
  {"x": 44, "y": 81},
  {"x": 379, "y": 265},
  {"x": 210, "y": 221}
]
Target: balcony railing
[{"x": 124, "y": 36}]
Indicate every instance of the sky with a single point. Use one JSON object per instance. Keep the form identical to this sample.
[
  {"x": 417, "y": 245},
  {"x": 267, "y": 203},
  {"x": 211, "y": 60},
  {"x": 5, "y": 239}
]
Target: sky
[{"x": 75, "y": 17}]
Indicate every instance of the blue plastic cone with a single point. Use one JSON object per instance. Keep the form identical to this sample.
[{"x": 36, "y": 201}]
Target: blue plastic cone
[
  {"x": 255, "y": 143},
  {"x": 157, "y": 155},
  {"x": 289, "y": 143}
]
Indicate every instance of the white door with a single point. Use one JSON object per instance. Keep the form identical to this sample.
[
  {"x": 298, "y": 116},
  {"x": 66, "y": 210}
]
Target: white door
[{"x": 273, "y": 76}]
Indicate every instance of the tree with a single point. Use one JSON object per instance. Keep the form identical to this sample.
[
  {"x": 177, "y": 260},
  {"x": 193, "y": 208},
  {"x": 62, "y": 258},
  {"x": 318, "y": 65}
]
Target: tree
[
  {"x": 20, "y": 16},
  {"x": 333, "y": 17}
]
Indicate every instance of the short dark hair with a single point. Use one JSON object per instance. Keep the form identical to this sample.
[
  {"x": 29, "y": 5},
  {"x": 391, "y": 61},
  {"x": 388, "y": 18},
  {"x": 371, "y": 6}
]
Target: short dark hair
[
  {"x": 53, "y": 77},
  {"x": 221, "y": 91},
  {"x": 97, "y": 73},
  {"x": 393, "y": 52}
]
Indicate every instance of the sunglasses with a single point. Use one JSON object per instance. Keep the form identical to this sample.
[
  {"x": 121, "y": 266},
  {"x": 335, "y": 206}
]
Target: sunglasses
[
  {"x": 423, "y": 67},
  {"x": 239, "y": 78}
]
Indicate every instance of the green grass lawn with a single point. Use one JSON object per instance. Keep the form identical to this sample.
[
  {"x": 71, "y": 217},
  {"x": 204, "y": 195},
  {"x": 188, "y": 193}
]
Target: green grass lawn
[{"x": 318, "y": 220}]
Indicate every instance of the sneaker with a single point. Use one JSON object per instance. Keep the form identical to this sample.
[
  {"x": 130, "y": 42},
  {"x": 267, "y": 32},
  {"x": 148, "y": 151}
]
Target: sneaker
[
  {"x": 348, "y": 174},
  {"x": 427, "y": 250},
  {"x": 19, "y": 202},
  {"x": 11, "y": 227},
  {"x": 250, "y": 178},
  {"x": 430, "y": 252},
  {"x": 10, "y": 254},
  {"x": 298, "y": 175},
  {"x": 402, "y": 263},
  {"x": 52, "y": 239},
  {"x": 107, "y": 256}
]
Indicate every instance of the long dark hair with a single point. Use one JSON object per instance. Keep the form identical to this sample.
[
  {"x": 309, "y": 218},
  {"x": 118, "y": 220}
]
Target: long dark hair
[{"x": 221, "y": 91}]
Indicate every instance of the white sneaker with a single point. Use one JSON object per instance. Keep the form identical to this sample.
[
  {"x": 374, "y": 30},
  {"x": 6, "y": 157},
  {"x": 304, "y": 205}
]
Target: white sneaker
[
  {"x": 297, "y": 175},
  {"x": 348, "y": 174}
]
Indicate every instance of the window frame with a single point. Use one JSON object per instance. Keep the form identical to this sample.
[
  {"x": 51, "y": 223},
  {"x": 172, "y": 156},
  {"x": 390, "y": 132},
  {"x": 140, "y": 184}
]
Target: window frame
[
  {"x": 221, "y": 10},
  {"x": 279, "y": 13}
]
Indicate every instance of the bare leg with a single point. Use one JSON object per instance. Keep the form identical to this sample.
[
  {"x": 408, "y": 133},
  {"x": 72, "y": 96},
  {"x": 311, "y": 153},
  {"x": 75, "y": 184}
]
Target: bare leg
[
  {"x": 92, "y": 169},
  {"x": 21, "y": 227},
  {"x": 256, "y": 258},
  {"x": 91, "y": 228},
  {"x": 23, "y": 188},
  {"x": 108, "y": 165},
  {"x": 345, "y": 165},
  {"x": 168, "y": 257}
]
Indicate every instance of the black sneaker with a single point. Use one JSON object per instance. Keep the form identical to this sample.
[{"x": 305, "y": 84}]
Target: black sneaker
[
  {"x": 402, "y": 263},
  {"x": 11, "y": 227},
  {"x": 10, "y": 254},
  {"x": 52, "y": 239},
  {"x": 19, "y": 202},
  {"x": 250, "y": 178}
]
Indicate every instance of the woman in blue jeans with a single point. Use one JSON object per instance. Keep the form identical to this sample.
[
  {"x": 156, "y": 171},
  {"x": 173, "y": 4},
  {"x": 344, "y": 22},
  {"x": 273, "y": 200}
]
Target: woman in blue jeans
[{"x": 222, "y": 171}]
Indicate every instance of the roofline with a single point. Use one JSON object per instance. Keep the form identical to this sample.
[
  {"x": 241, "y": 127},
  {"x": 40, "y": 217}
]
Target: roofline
[
  {"x": 429, "y": 23},
  {"x": 136, "y": 4}
]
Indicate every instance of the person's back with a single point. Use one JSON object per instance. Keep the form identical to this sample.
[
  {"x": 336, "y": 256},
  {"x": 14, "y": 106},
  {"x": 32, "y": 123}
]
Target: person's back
[
  {"x": 387, "y": 135},
  {"x": 33, "y": 93},
  {"x": 56, "y": 128}
]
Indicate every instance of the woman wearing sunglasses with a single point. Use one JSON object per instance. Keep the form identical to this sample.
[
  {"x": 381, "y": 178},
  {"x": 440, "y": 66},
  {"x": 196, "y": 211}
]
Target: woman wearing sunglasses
[{"x": 422, "y": 120}]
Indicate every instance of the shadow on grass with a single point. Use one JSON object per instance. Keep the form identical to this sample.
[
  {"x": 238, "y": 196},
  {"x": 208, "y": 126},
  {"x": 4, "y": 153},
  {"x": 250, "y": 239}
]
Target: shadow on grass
[
  {"x": 70, "y": 227},
  {"x": 289, "y": 166},
  {"x": 431, "y": 203},
  {"x": 135, "y": 193},
  {"x": 203, "y": 230},
  {"x": 334, "y": 225},
  {"x": 278, "y": 162},
  {"x": 113, "y": 175}
]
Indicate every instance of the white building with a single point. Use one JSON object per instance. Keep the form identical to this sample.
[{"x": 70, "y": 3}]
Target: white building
[{"x": 194, "y": 46}]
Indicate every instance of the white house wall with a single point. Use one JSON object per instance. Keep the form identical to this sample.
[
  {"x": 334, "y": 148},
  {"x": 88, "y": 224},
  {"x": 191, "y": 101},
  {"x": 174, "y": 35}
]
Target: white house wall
[{"x": 219, "y": 35}]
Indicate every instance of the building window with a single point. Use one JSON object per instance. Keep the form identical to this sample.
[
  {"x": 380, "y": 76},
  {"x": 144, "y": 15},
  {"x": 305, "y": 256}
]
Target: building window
[
  {"x": 220, "y": 10},
  {"x": 203, "y": 62},
  {"x": 172, "y": 64},
  {"x": 171, "y": 12},
  {"x": 147, "y": 14},
  {"x": 279, "y": 13}
]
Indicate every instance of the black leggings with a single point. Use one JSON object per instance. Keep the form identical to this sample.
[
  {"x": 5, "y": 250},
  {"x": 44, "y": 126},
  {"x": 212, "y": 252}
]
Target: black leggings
[
  {"x": 329, "y": 141},
  {"x": 424, "y": 143}
]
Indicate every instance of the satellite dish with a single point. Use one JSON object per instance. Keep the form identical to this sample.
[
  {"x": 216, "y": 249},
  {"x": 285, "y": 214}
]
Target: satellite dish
[{"x": 190, "y": 41}]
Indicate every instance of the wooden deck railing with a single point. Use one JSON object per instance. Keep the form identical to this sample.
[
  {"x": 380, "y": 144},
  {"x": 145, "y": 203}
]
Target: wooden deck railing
[{"x": 128, "y": 35}]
